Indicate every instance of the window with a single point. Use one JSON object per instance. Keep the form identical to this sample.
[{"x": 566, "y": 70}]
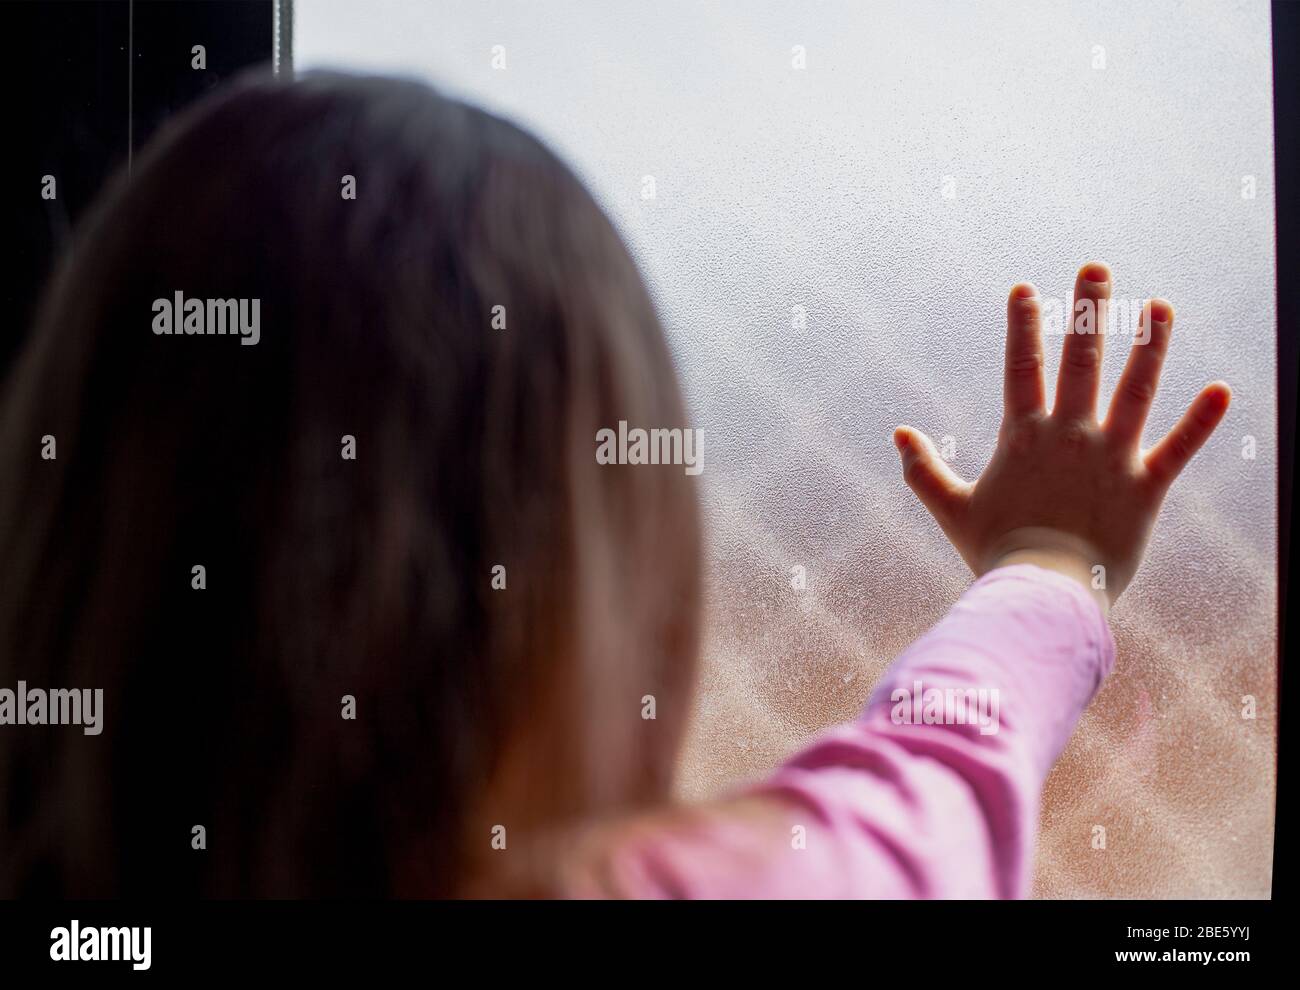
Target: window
[{"x": 830, "y": 203}]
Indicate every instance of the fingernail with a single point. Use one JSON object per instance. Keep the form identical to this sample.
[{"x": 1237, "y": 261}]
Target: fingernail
[
  {"x": 1025, "y": 290},
  {"x": 1095, "y": 272},
  {"x": 1161, "y": 311}
]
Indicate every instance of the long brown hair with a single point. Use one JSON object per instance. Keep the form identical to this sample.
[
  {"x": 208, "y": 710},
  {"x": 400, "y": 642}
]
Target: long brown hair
[{"x": 327, "y": 576}]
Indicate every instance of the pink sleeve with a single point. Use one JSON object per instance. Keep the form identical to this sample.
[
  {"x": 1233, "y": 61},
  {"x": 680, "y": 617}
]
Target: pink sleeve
[{"x": 934, "y": 790}]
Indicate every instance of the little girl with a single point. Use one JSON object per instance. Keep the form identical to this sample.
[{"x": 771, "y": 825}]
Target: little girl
[{"x": 369, "y": 615}]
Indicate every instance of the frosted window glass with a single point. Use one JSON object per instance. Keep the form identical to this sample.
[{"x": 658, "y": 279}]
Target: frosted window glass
[{"x": 830, "y": 248}]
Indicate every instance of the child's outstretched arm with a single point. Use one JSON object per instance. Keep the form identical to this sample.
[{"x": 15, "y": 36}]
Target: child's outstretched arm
[{"x": 934, "y": 790}]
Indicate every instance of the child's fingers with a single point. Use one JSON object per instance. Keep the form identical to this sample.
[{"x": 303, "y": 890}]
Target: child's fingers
[
  {"x": 1024, "y": 392},
  {"x": 1076, "y": 387},
  {"x": 1137, "y": 385},
  {"x": 1166, "y": 460},
  {"x": 925, "y": 472}
]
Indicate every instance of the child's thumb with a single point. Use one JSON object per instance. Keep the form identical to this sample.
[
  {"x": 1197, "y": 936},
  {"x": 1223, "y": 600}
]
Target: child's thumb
[{"x": 927, "y": 475}]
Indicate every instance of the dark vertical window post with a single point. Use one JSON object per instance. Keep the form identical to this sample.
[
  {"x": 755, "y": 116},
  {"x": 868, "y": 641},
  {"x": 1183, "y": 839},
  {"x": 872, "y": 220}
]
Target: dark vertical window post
[{"x": 96, "y": 78}]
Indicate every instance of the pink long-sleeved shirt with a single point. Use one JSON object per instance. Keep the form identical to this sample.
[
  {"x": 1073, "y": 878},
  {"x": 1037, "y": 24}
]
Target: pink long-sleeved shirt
[{"x": 900, "y": 803}]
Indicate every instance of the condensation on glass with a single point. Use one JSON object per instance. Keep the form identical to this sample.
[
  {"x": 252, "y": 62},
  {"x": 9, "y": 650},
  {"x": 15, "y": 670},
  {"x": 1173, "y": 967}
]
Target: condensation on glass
[{"x": 829, "y": 202}]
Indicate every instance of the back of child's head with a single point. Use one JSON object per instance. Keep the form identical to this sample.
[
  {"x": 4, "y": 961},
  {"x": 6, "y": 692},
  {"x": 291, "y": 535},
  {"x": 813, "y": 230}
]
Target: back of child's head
[{"x": 354, "y": 586}]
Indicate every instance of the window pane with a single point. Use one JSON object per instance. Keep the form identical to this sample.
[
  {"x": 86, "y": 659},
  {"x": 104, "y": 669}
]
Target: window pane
[{"x": 830, "y": 203}]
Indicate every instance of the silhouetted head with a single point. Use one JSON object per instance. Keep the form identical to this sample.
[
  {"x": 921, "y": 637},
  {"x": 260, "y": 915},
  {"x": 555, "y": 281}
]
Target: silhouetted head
[{"x": 393, "y": 497}]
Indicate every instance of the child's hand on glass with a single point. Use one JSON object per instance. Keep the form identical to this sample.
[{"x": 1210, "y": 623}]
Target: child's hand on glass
[{"x": 1062, "y": 490}]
